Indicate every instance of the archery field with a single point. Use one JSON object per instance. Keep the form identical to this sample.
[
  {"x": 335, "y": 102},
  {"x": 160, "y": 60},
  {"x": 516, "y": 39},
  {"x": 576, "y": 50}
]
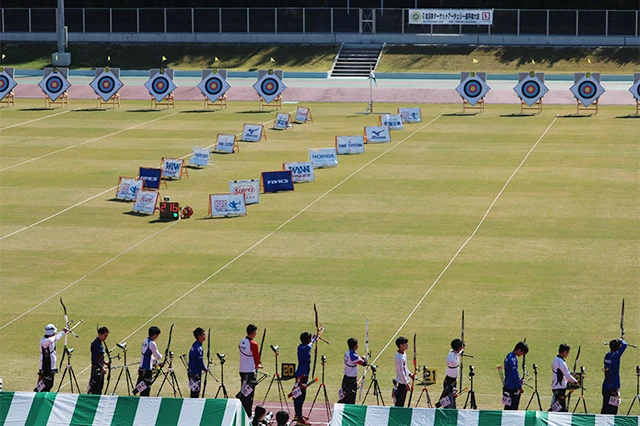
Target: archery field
[{"x": 529, "y": 224}]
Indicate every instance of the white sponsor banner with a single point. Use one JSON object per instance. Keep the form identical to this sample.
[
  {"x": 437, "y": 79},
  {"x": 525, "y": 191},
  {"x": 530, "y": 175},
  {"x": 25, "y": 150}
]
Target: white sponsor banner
[
  {"x": 172, "y": 168},
  {"x": 410, "y": 115},
  {"x": 249, "y": 187},
  {"x": 350, "y": 144},
  {"x": 128, "y": 188},
  {"x": 394, "y": 121},
  {"x": 377, "y": 134},
  {"x": 252, "y": 132},
  {"x": 451, "y": 16},
  {"x": 146, "y": 201},
  {"x": 225, "y": 143},
  {"x": 200, "y": 157},
  {"x": 226, "y": 205},
  {"x": 282, "y": 121},
  {"x": 301, "y": 172},
  {"x": 303, "y": 115},
  {"x": 323, "y": 157}
]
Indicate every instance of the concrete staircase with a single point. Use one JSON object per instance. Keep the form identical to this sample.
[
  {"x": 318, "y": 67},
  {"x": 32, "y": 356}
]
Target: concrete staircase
[{"x": 356, "y": 60}]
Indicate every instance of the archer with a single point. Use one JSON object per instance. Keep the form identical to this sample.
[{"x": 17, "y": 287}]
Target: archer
[
  {"x": 98, "y": 363},
  {"x": 196, "y": 362},
  {"x": 149, "y": 351}
]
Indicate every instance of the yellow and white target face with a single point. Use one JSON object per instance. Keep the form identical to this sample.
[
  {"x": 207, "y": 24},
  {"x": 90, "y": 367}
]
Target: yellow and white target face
[
  {"x": 213, "y": 86},
  {"x": 473, "y": 89},
  {"x": 587, "y": 90},
  {"x": 106, "y": 84},
  {"x": 7, "y": 83},
  {"x": 160, "y": 86},
  {"x": 54, "y": 85},
  {"x": 269, "y": 87},
  {"x": 531, "y": 89}
]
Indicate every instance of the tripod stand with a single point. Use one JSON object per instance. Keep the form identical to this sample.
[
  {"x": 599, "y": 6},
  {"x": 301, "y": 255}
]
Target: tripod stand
[
  {"x": 323, "y": 387},
  {"x": 376, "y": 386},
  {"x": 125, "y": 369},
  {"x": 222, "y": 387},
  {"x": 276, "y": 377},
  {"x": 637, "y": 397},
  {"x": 582, "y": 389},
  {"x": 68, "y": 369},
  {"x": 170, "y": 374},
  {"x": 425, "y": 389},
  {"x": 471, "y": 396},
  {"x": 535, "y": 391}
]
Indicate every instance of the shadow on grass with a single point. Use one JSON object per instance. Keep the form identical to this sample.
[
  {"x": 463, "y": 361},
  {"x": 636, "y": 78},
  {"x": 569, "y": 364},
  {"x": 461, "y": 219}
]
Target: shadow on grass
[
  {"x": 629, "y": 116},
  {"x": 162, "y": 221},
  {"x": 575, "y": 116},
  {"x": 38, "y": 109},
  {"x": 254, "y": 112},
  {"x": 192, "y": 167},
  {"x": 118, "y": 200},
  {"x": 518, "y": 114},
  {"x": 136, "y": 214},
  {"x": 197, "y": 111},
  {"x": 144, "y": 110},
  {"x": 91, "y": 109},
  {"x": 461, "y": 114}
]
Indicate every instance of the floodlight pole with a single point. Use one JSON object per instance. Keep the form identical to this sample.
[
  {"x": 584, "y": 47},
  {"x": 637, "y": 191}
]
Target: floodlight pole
[{"x": 60, "y": 58}]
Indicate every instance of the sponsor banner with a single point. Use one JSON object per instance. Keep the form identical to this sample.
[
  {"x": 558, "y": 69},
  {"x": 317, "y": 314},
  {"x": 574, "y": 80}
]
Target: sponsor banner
[
  {"x": 146, "y": 201},
  {"x": 350, "y": 145},
  {"x": 278, "y": 181},
  {"x": 226, "y": 144},
  {"x": 128, "y": 188},
  {"x": 227, "y": 205},
  {"x": 151, "y": 177},
  {"x": 451, "y": 16},
  {"x": 252, "y": 132},
  {"x": 394, "y": 121},
  {"x": 301, "y": 172},
  {"x": 377, "y": 134},
  {"x": 282, "y": 121},
  {"x": 410, "y": 115},
  {"x": 200, "y": 157},
  {"x": 249, "y": 187},
  {"x": 303, "y": 115},
  {"x": 323, "y": 157},
  {"x": 172, "y": 168}
]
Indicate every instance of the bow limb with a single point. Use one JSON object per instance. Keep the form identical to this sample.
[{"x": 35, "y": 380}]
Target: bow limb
[
  {"x": 206, "y": 374},
  {"x": 315, "y": 353},
  {"x": 622, "y": 321},
  {"x": 66, "y": 320},
  {"x": 463, "y": 344}
]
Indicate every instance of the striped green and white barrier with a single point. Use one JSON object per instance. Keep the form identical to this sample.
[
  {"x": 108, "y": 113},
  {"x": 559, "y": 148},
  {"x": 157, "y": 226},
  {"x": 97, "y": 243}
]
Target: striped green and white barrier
[
  {"x": 58, "y": 409},
  {"x": 359, "y": 415}
]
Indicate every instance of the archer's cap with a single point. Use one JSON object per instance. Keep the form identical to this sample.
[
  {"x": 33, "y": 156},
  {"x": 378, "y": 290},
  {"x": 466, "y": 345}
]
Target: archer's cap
[{"x": 50, "y": 330}]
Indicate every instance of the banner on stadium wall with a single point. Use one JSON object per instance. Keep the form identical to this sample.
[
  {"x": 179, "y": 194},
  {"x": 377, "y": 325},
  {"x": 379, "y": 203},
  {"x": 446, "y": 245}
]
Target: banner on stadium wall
[
  {"x": 226, "y": 144},
  {"x": 377, "y": 134},
  {"x": 151, "y": 177},
  {"x": 350, "y": 145},
  {"x": 303, "y": 115},
  {"x": 323, "y": 157},
  {"x": 451, "y": 16},
  {"x": 227, "y": 205},
  {"x": 253, "y": 133},
  {"x": 277, "y": 181},
  {"x": 249, "y": 187},
  {"x": 282, "y": 121},
  {"x": 363, "y": 415},
  {"x": 61, "y": 408},
  {"x": 128, "y": 188},
  {"x": 411, "y": 115},
  {"x": 394, "y": 121},
  {"x": 301, "y": 172},
  {"x": 146, "y": 201},
  {"x": 172, "y": 168},
  {"x": 200, "y": 157}
]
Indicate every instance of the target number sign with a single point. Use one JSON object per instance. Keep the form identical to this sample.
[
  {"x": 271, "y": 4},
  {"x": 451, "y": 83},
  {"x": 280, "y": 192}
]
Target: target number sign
[
  {"x": 213, "y": 86},
  {"x": 269, "y": 87},
  {"x": 7, "y": 83},
  {"x": 472, "y": 89},
  {"x": 54, "y": 85},
  {"x": 587, "y": 90},
  {"x": 531, "y": 89},
  {"x": 169, "y": 210},
  {"x": 160, "y": 86},
  {"x": 106, "y": 84}
]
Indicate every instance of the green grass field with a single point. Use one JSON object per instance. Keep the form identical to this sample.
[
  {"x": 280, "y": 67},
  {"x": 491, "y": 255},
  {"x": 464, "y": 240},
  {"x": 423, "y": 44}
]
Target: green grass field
[{"x": 551, "y": 261}]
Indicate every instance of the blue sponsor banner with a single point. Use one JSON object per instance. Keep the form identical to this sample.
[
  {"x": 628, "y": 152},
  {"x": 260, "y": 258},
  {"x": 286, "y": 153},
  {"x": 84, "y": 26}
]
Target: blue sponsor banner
[
  {"x": 151, "y": 177},
  {"x": 277, "y": 181}
]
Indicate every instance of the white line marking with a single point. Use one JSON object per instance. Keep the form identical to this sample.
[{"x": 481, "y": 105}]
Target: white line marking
[
  {"x": 37, "y": 119},
  {"x": 86, "y": 142},
  {"x": 466, "y": 242},
  {"x": 90, "y": 273}
]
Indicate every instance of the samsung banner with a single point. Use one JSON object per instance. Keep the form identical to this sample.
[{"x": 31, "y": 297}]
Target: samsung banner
[
  {"x": 377, "y": 134},
  {"x": 350, "y": 145},
  {"x": 172, "y": 168},
  {"x": 227, "y": 205},
  {"x": 323, "y": 157},
  {"x": 252, "y": 132},
  {"x": 451, "y": 16},
  {"x": 410, "y": 115},
  {"x": 146, "y": 201},
  {"x": 249, "y": 187},
  {"x": 301, "y": 172},
  {"x": 394, "y": 121},
  {"x": 226, "y": 144},
  {"x": 128, "y": 188},
  {"x": 151, "y": 177},
  {"x": 200, "y": 157},
  {"x": 277, "y": 181}
]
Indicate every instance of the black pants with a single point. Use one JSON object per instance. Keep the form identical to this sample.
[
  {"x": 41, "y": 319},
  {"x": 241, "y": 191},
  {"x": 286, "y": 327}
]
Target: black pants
[
  {"x": 448, "y": 387},
  {"x": 606, "y": 407},
  {"x": 299, "y": 401},
  {"x": 401, "y": 395},
  {"x": 96, "y": 382},
  {"x": 559, "y": 395},
  {"x": 195, "y": 380},
  {"x": 350, "y": 389},
  {"x": 146, "y": 376},
  {"x": 47, "y": 380},
  {"x": 247, "y": 401},
  {"x": 515, "y": 398}
]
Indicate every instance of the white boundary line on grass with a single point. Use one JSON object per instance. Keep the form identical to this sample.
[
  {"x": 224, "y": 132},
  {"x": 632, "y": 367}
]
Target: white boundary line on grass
[
  {"x": 37, "y": 119},
  {"x": 455, "y": 256},
  {"x": 86, "y": 142}
]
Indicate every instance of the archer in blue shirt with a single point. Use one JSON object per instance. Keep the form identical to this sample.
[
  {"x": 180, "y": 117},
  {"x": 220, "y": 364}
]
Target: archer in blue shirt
[
  {"x": 611, "y": 383},
  {"x": 512, "y": 382},
  {"x": 196, "y": 362},
  {"x": 302, "y": 375}
]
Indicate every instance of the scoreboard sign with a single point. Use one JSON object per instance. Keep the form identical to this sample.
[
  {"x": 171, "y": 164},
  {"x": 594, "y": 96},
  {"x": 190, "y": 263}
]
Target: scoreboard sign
[{"x": 169, "y": 210}]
